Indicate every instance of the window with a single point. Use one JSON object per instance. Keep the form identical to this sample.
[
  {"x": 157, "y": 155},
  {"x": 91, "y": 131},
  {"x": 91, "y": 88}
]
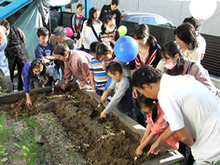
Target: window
[
  {"x": 134, "y": 19},
  {"x": 148, "y": 20}
]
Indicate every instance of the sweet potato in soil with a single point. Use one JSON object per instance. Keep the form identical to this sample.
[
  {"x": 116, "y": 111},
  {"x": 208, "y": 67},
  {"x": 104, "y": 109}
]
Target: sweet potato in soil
[{"x": 99, "y": 142}]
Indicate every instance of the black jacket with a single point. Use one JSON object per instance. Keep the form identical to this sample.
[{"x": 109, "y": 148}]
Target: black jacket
[{"x": 106, "y": 10}]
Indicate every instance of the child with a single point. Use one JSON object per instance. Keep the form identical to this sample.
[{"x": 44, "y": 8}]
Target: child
[
  {"x": 104, "y": 52},
  {"x": 122, "y": 97},
  {"x": 98, "y": 76},
  {"x": 44, "y": 51},
  {"x": 109, "y": 32},
  {"x": 77, "y": 21},
  {"x": 33, "y": 75},
  {"x": 156, "y": 124},
  {"x": 76, "y": 63}
]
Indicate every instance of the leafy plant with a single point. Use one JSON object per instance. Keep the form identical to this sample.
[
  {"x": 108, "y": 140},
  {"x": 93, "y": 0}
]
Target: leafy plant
[
  {"x": 106, "y": 126},
  {"x": 30, "y": 143},
  {"x": 5, "y": 133},
  {"x": 211, "y": 163},
  {"x": 145, "y": 154},
  {"x": 176, "y": 164}
]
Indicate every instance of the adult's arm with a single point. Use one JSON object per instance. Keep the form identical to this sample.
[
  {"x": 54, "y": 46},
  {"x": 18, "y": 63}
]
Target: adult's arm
[{"x": 185, "y": 137}]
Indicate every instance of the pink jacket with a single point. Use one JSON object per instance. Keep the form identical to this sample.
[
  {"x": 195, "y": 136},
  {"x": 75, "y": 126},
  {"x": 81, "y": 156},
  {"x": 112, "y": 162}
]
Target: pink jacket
[
  {"x": 160, "y": 125},
  {"x": 78, "y": 65}
]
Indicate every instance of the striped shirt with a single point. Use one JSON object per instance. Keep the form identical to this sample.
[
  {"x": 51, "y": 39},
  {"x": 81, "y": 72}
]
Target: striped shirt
[
  {"x": 100, "y": 75},
  {"x": 77, "y": 22}
]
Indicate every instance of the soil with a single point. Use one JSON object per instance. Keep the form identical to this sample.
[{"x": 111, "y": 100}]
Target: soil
[{"x": 81, "y": 137}]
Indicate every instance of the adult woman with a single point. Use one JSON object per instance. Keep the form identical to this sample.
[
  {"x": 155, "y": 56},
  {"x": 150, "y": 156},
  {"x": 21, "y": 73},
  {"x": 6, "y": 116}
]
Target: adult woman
[
  {"x": 148, "y": 50},
  {"x": 200, "y": 39},
  {"x": 175, "y": 64},
  {"x": 91, "y": 29},
  {"x": 186, "y": 38}
]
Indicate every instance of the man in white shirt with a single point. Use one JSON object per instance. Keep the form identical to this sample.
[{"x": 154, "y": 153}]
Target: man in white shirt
[{"x": 192, "y": 111}]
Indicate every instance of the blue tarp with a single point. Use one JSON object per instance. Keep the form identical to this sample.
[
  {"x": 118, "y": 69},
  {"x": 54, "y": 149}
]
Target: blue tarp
[{"x": 29, "y": 22}]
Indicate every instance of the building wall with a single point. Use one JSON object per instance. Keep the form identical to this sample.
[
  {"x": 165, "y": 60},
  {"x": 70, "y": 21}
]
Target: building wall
[{"x": 173, "y": 10}]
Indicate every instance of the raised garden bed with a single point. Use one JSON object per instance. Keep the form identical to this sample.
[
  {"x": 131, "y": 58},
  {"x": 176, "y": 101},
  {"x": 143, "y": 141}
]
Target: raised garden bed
[{"x": 63, "y": 128}]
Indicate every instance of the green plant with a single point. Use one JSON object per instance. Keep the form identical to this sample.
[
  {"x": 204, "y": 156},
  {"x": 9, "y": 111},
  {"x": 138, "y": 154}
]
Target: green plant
[
  {"x": 5, "y": 133},
  {"x": 211, "y": 163},
  {"x": 30, "y": 142},
  {"x": 145, "y": 154},
  {"x": 106, "y": 126},
  {"x": 176, "y": 164}
]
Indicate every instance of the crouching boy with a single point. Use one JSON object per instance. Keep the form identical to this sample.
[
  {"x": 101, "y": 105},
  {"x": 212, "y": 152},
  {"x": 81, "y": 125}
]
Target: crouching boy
[{"x": 122, "y": 98}]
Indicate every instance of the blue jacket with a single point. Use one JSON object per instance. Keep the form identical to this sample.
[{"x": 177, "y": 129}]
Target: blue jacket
[{"x": 26, "y": 78}]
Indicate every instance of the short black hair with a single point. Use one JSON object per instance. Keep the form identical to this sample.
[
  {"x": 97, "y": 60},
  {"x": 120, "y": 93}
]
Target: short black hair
[
  {"x": 145, "y": 75},
  {"x": 42, "y": 31},
  {"x": 114, "y": 67},
  {"x": 115, "y": 2},
  {"x": 93, "y": 46}
]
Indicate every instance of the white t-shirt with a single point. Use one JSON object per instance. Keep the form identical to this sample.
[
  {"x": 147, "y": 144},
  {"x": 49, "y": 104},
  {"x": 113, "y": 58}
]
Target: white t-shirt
[
  {"x": 88, "y": 35},
  {"x": 201, "y": 43},
  {"x": 188, "y": 103}
]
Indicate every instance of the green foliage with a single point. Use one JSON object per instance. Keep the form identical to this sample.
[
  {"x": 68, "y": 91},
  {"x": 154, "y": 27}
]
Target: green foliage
[
  {"x": 145, "y": 154},
  {"x": 5, "y": 133},
  {"x": 30, "y": 142},
  {"x": 211, "y": 163},
  {"x": 106, "y": 126},
  {"x": 176, "y": 164}
]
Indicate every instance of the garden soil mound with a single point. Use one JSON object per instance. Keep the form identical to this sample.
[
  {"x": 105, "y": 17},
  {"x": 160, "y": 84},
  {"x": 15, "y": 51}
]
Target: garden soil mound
[{"x": 98, "y": 142}]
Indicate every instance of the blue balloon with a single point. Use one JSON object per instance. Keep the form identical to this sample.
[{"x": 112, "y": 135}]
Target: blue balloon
[{"x": 126, "y": 49}]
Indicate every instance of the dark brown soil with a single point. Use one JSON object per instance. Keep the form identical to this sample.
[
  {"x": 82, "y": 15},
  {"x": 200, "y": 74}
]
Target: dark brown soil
[{"x": 97, "y": 143}]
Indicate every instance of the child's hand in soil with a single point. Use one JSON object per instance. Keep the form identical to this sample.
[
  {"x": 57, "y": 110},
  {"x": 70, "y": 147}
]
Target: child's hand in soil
[
  {"x": 63, "y": 86},
  {"x": 139, "y": 151},
  {"x": 155, "y": 148},
  {"x": 28, "y": 103},
  {"x": 103, "y": 115}
]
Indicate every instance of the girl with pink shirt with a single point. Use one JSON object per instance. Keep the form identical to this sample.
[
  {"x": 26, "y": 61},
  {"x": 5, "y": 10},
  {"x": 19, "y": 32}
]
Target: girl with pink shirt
[{"x": 156, "y": 124}]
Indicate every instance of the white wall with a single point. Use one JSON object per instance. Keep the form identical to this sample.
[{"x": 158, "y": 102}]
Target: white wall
[{"x": 173, "y": 10}]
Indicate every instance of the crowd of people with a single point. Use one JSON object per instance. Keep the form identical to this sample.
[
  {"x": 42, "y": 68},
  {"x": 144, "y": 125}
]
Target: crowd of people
[{"x": 166, "y": 85}]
